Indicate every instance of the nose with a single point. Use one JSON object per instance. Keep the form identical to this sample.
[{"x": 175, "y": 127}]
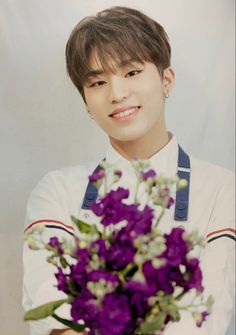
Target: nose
[{"x": 118, "y": 91}]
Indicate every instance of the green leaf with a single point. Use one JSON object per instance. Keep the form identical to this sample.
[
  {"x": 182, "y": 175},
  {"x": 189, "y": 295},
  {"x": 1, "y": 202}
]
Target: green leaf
[
  {"x": 43, "y": 311},
  {"x": 130, "y": 270},
  {"x": 73, "y": 287},
  {"x": 64, "y": 262},
  {"x": 174, "y": 313},
  {"x": 75, "y": 326},
  {"x": 209, "y": 302},
  {"x": 155, "y": 324},
  {"x": 85, "y": 227}
]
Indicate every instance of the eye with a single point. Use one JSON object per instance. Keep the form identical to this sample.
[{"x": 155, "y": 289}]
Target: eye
[
  {"x": 98, "y": 83},
  {"x": 133, "y": 73}
]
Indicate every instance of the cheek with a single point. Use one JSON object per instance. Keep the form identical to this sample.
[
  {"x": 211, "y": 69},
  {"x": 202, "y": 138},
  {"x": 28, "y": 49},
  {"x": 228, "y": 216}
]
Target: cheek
[
  {"x": 154, "y": 98},
  {"x": 153, "y": 88},
  {"x": 152, "y": 92},
  {"x": 93, "y": 101}
]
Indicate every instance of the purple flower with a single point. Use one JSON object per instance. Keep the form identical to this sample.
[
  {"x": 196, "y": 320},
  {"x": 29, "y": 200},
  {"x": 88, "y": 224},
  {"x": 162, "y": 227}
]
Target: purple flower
[
  {"x": 98, "y": 175},
  {"x": 150, "y": 274},
  {"x": 111, "y": 207},
  {"x": 202, "y": 318},
  {"x": 84, "y": 307},
  {"x": 83, "y": 255},
  {"x": 55, "y": 243},
  {"x": 79, "y": 275},
  {"x": 148, "y": 174},
  {"x": 139, "y": 221},
  {"x": 78, "y": 270},
  {"x": 121, "y": 252},
  {"x": 164, "y": 194},
  {"x": 193, "y": 275},
  {"x": 100, "y": 247},
  {"x": 62, "y": 281},
  {"x": 177, "y": 247},
  {"x": 158, "y": 279},
  {"x": 168, "y": 276},
  {"x": 113, "y": 211},
  {"x": 96, "y": 275},
  {"x": 170, "y": 202},
  {"x": 165, "y": 277},
  {"x": 138, "y": 294},
  {"x": 116, "y": 318}
]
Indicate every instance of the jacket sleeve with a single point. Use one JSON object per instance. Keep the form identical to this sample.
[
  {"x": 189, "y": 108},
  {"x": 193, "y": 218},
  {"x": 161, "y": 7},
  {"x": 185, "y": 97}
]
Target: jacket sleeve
[
  {"x": 49, "y": 205},
  {"x": 218, "y": 258},
  {"x": 218, "y": 266}
]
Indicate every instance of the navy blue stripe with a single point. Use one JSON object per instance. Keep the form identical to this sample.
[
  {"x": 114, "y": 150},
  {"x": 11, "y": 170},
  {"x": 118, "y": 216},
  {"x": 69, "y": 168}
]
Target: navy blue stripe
[
  {"x": 57, "y": 227},
  {"x": 222, "y": 235},
  {"x": 182, "y": 195},
  {"x": 91, "y": 193}
]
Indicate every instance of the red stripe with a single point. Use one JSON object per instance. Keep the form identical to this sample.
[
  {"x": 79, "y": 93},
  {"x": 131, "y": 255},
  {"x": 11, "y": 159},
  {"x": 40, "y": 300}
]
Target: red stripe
[
  {"x": 52, "y": 221},
  {"x": 220, "y": 231}
]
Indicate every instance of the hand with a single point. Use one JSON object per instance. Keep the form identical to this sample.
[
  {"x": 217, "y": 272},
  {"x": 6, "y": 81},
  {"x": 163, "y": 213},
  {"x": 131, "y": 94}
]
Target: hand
[{"x": 66, "y": 332}]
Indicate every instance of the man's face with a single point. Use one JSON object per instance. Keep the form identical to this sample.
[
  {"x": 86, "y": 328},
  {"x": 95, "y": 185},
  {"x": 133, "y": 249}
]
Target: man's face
[{"x": 126, "y": 104}]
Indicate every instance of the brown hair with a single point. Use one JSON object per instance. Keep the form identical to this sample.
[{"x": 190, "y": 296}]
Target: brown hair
[{"x": 116, "y": 32}]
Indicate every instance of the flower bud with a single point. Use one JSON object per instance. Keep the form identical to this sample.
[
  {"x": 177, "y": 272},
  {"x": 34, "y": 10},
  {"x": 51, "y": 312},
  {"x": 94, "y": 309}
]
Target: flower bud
[
  {"x": 82, "y": 244},
  {"x": 41, "y": 228},
  {"x": 182, "y": 183},
  {"x": 152, "y": 300},
  {"x": 52, "y": 260},
  {"x": 32, "y": 244},
  {"x": 157, "y": 263},
  {"x": 154, "y": 311}
]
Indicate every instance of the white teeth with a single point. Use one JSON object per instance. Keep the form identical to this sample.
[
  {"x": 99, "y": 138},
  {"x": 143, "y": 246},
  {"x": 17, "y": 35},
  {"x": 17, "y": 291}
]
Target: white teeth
[{"x": 125, "y": 113}]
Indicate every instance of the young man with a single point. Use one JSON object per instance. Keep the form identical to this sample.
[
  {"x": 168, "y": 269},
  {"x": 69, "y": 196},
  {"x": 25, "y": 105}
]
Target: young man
[{"x": 120, "y": 62}]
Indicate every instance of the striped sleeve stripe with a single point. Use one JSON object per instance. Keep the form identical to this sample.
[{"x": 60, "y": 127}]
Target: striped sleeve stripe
[
  {"x": 55, "y": 224},
  {"x": 61, "y": 228},
  {"x": 216, "y": 234}
]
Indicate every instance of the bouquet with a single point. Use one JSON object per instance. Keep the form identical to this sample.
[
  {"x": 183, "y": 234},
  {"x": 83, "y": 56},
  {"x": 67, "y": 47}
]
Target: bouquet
[{"x": 124, "y": 276}]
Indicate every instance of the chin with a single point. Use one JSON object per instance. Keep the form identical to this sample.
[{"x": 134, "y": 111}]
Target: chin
[{"x": 128, "y": 137}]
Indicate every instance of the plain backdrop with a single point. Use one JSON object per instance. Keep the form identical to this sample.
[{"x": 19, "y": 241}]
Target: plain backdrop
[{"x": 43, "y": 123}]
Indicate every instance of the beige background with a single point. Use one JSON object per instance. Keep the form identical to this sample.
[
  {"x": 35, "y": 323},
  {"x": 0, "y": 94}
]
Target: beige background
[{"x": 43, "y": 124}]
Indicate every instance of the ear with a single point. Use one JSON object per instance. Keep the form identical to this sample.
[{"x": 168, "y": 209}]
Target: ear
[{"x": 168, "y": 79}]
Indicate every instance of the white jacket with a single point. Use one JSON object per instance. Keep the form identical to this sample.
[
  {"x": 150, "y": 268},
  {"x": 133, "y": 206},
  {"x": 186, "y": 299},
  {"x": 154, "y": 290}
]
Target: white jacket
[{"x": 211, "y": 211}]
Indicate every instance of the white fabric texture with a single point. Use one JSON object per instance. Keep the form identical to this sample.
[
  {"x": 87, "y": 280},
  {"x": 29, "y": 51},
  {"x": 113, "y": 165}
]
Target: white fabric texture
[
  {"x": 43, "y": 123},
  {"x": 211, "y": 209}
]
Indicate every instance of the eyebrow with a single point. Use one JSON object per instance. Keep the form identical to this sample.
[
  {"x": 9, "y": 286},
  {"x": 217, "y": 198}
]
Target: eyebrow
[{"x": 122, "y": 64}]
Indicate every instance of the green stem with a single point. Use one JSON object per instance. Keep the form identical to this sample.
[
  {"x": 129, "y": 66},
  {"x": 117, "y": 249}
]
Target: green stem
[
  {"x": 186, "y": 307},
  {"x": 160, "y": 217},
  {"x": 136, "y": 188},
  {"x": 104, "y": 232},
  {"x": 75, "y": 326},
  {"x": 179, "y": 296}
]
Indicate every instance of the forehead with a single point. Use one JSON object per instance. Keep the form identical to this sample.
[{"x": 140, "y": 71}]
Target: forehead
[{"x": 109, "y": 63}]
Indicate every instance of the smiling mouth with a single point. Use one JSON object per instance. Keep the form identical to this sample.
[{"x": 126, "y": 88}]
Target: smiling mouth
[{"x": 127, "y": 114}]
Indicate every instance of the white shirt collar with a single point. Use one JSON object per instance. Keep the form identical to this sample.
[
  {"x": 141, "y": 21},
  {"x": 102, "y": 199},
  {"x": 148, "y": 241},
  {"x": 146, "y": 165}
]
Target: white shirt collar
[{"x": 163, "y": 162}]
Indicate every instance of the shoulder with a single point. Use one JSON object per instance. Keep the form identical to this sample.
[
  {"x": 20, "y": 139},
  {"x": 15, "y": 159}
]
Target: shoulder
[
  {"x": 64, "y": 186},
  {"x": 213, "y": 190},
  {"x": 59, "y": 194},
  {"x": 67, "y": 177},
  {"x": 204, "y": 166},
  {"x": 212, "y": 184},
  {"x": 211, "y": 175}
]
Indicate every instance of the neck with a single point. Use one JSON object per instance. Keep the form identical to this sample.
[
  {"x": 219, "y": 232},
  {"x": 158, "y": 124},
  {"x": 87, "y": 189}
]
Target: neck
[{"x": 144, "y": 147}]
